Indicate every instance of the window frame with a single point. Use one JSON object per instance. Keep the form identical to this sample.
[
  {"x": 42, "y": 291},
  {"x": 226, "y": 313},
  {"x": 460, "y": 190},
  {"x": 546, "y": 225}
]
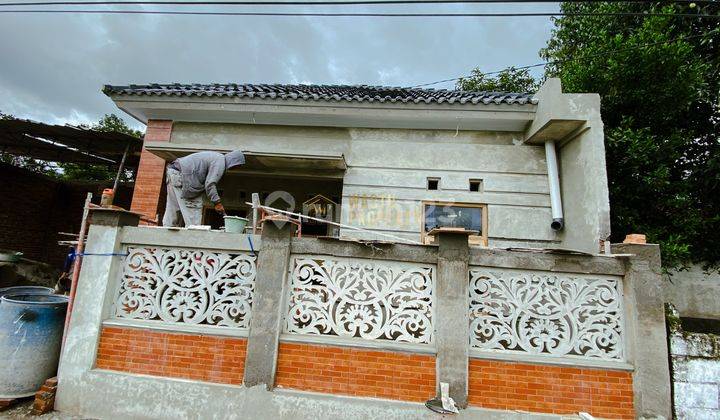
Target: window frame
[{"x": 481, "y": 239}]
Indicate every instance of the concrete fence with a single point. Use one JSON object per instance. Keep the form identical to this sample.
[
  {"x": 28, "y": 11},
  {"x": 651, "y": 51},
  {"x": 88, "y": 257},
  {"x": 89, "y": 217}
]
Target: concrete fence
[{"x": 196, "y": 324}]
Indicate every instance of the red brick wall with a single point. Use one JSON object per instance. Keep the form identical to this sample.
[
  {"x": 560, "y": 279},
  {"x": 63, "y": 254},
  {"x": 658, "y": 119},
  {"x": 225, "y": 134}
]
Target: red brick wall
[
  {"x": 35, "y": 208},
  {"x": 189, "y": 356},
  {"x": 550, "y": 389},
  {"x": 356, "y": 372},
  {"x": 149, "y": 180}
]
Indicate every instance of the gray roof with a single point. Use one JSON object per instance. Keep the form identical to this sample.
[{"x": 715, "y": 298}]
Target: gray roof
[{"x": 332, "y": 93}]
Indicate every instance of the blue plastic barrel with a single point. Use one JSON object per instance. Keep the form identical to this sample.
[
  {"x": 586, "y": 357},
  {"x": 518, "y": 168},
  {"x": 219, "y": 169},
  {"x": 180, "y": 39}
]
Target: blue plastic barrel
[
  {"x": 31, "y": 328},
  {"x": 26, "y": 290}
]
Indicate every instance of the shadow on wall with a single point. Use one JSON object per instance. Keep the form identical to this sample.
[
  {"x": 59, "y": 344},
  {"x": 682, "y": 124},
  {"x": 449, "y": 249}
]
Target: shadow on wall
[{"x": 34, "y": 208}]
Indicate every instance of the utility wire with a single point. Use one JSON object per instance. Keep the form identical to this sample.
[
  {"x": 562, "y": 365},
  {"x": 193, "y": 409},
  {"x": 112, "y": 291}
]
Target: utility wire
[
  {"x": 682, "y": 38},
  {"x": 313, "y": 14},
  {"x": 310, "y": 3}
]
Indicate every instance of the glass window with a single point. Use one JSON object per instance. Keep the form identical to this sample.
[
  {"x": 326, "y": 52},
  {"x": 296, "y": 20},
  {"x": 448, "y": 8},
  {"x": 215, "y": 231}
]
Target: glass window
[{"x": 442, "y": 215}]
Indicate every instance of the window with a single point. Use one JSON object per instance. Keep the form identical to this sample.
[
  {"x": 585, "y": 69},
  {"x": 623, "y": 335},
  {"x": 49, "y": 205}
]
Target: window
[
  {"x": 433, "y": 183},
  {"x": 468, "y": 216},
  {"x": 476, "y": 185}
]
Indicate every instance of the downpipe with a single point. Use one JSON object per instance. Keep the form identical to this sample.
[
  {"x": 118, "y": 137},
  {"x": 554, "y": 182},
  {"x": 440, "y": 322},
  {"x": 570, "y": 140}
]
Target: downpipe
[{"x": 558, "y": 221}]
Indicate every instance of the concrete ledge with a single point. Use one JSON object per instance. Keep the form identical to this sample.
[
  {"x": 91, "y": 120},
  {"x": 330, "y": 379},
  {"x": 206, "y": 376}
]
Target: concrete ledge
[
  {"x": 189, "y": 239},
  {"x": 360, "y": 343},
  {"x": 549, "y": 360},
  {"x": 377, "y": 251},
  {"x": 178, "y": 327},
  {"x": 547, "y": 261},
  {"x": 108, "y": 394}
]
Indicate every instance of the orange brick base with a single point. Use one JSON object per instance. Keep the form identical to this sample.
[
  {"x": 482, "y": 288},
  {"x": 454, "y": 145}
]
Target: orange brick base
[
  {"x": 188, "y": 356},
  {"x": 356, "y": 372},
  {"x": 550, "y": 389}
]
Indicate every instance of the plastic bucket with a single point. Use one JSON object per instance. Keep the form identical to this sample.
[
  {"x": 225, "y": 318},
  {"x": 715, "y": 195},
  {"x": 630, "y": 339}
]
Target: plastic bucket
[
  {"x": 235, "y": 224},
  {"x": 26, "y": 290},
  {"x": 31, "y": 329}
]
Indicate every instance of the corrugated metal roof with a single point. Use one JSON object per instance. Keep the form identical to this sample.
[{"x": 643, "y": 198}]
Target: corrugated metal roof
[
  {"x": 331, "y": 93},
  {"x": 58, "y": 143}
]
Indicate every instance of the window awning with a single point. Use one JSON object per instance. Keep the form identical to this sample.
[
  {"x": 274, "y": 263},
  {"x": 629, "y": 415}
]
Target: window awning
[{"x": 263, "y": 163}]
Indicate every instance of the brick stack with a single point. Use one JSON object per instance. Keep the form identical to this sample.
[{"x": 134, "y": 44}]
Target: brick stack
[{"x": 45, "y": 397}]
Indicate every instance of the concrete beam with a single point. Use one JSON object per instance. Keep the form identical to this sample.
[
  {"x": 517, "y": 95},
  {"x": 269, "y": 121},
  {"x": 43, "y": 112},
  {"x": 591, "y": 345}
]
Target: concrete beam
[
  {"x": 267, "y": 308},
  {"x": 452, "y": 319},
  {"x": 645, "y": 330}
]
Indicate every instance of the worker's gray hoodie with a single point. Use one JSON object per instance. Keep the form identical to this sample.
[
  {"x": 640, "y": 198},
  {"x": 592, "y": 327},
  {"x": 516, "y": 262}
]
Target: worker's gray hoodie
[{"x": 202, "y": 171}]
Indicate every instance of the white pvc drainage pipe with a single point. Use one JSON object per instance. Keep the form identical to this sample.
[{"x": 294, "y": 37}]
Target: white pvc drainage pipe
[{"x": 558, "y": 222}]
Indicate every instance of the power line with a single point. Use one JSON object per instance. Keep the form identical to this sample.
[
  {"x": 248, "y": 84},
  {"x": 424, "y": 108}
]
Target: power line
[
  {"x": 323, "y": 14},
  {"x": 310, "y": 3},
  {"x": 682, "y": 38}
]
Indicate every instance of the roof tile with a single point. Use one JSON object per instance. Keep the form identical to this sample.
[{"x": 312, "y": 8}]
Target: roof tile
[{"x": 336, "y": 93}]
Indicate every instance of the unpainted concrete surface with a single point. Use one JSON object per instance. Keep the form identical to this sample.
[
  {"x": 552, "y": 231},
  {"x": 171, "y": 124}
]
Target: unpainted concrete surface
[
  {"x": 137, "y": 397},
  {"x": 694, "y": 292}
]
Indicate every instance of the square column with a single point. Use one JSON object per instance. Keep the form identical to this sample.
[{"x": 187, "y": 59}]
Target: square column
[{"x": 452, "y": 317}]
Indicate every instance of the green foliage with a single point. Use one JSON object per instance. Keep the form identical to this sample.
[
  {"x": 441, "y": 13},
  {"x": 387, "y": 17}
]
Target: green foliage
[
  {"x": 660, "y": 87},
  {"x": 113, "y": 123},
  {"x": 510, "y": 80}
]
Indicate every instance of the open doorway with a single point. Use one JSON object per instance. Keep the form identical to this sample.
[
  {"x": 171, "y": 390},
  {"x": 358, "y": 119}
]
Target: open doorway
[{"x": 317, "y": 197}]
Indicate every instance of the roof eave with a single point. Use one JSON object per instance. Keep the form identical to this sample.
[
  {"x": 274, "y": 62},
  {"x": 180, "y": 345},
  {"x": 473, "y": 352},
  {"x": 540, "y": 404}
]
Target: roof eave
[{"x": 485, "y": 117}]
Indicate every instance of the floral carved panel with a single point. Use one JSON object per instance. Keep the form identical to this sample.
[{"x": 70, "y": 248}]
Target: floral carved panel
[
  {"x": 190, "y": 286},
  {"x": 546, "y": 313},
  {"x": 369, "y": 299}
]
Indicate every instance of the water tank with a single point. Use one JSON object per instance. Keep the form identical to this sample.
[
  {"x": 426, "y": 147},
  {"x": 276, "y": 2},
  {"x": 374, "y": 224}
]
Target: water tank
[
  {"x": 26, "y": 290},
  {"x": 31, "y": 328}
]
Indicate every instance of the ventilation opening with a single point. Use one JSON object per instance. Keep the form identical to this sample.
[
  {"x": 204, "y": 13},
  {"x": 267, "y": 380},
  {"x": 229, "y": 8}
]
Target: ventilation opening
[
  {"x": 700, "y": 325},
  {"x": 433, "y": 183},
  {"x": 476, "y": 185}
]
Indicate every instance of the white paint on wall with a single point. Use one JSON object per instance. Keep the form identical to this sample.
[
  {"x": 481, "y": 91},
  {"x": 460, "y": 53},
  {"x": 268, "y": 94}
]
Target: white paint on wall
[{"x": 696, "y": 375}]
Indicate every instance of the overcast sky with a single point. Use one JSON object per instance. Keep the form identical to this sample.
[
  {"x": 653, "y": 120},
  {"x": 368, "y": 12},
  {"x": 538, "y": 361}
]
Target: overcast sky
[{"x": 54, "y": 66}]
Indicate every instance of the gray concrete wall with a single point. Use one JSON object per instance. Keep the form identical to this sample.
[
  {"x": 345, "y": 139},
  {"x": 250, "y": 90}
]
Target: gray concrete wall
[
  {"x": 581, "y": 161},
  {"x": 111, "y": 395},
  {"x": 386, "y": 179},
  {"x": 583, "y": 181},
  {"x": 646, "y": 333},
  {"x": 694, "y": 292},
  {"x": 87, "y": 391}
]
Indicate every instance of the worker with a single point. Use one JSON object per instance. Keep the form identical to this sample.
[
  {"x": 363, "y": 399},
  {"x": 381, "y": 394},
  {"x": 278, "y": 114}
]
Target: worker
[{"x": 192, "y": 176}]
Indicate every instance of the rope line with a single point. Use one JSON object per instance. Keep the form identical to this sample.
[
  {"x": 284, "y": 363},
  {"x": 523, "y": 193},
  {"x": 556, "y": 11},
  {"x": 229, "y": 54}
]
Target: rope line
[{"x": 289, "y": 213}]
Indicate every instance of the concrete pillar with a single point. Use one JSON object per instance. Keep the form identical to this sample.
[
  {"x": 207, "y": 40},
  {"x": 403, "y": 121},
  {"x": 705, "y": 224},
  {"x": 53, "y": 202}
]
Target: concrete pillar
[
  {"x": 267, "y": 307},
  {"x": 92, "y": 301},
  {"x": 645, "y": 332},
  {"x": 452, "y": 318}
]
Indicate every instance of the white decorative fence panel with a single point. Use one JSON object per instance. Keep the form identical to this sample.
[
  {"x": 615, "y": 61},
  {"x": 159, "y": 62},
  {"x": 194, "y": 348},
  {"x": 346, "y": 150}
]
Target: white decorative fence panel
[
  {"x": 361, "y": 298},
  {"x": 191, "y": 286},
  {"x": 544, "y": 313}
]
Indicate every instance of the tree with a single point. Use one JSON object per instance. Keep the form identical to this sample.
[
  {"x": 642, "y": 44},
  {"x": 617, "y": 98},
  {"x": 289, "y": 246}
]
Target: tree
[
  {"x": 659, "y": 80},
  {"x": 510, "y": 80}
]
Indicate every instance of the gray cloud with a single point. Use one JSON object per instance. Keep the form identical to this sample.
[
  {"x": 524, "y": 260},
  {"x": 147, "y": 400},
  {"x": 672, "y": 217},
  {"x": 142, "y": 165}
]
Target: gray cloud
[{"x": 54, "y": 66}]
